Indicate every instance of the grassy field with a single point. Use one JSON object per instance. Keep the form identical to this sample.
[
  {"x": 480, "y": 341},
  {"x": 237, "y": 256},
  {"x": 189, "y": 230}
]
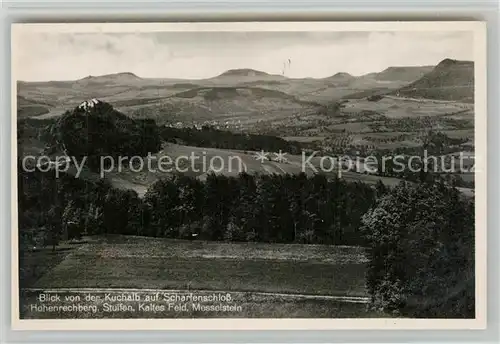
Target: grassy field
[
  {"x": 306, "y": 139},
  {"x": 274, "y": 280},
  {"x": 395, "y": 107},
  {"x": 207, "y": 160},
  {"x": 137, "y": 262},
  {"x": 34, "y": 264},
  {"x": 140, "y": 181}
]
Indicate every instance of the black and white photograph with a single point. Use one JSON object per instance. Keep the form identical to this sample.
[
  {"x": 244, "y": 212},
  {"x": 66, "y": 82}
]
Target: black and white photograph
[{"x": 241, "y": 171}]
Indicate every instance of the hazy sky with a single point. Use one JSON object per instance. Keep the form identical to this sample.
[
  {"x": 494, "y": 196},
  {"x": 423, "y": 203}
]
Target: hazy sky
[{"x": 192, "y": 55}]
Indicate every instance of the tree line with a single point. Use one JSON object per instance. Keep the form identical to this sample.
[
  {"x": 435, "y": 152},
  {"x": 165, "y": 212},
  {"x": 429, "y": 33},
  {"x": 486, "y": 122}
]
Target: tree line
[
  {"x": 108, "y": 132},
  {"x": 419, "y": 237},
  {"x": 224, "y": 139},
  {"x": 263, "y": 208},
  {"x": 104, "y": 131}
]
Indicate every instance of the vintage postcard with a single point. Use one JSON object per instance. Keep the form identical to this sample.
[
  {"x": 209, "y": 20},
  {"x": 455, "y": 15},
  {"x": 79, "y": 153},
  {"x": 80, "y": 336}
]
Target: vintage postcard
[{"x": 301, "y": 175}]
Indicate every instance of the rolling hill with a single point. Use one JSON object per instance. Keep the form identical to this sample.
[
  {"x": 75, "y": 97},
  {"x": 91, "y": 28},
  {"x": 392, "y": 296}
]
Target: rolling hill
[
  {"x": 31, "y": 108},
  {"x": 401, "y": 73},
  {"x": 344, "y": 85},
  {"x": 245, "y": 75},
  {"x": 119, "y": 83},
  {"x": 245, "y": 95},
  {"x": 95, "y": 129},
  {"x": 339, "y": 80},
  {"x": 245, "y": 105},
  {"x": 449, "y": 80},
  {"x": 110, "y": 79}
]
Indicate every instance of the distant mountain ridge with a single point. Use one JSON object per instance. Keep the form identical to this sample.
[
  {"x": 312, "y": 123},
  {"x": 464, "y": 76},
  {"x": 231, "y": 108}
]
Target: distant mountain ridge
[
  {"x": 115, "y": 77},
  {"x": 243, "y": 90},
  {"x": 410, "y": 73},
  {"x": 244, "y": 72},
  {"x": 341, "y": 76},
  {"x": 245, "y": 75},
  {"x": 400, "y": 73},
  {"x": 449, "y": 80}
]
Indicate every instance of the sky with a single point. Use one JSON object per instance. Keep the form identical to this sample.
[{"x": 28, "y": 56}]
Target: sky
[{"x": 44, "y": 56}]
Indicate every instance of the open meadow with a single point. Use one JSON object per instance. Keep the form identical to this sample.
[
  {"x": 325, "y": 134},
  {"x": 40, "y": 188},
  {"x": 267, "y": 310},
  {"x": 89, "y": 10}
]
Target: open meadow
[
  {"x": 232, "y": 160},
  {"x": 275, "y": 280},
  {"x": 245, "y": 174}
]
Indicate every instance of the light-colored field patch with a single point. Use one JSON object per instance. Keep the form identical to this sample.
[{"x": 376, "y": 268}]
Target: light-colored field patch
[
  {"x": 136, "y": 262},
  {"x": 394, "y": 107},
  {"x": 259, "y": 280},
  {"x": 208, "y": 160},
  {"x": 129, "y": 246},
  {"x": 304, "y": 138},
  {"x": 460, "y": 133}
]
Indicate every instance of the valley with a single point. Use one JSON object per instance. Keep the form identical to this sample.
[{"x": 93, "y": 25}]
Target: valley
[
  {"x": 341, "y": 108},
  {"x": 285, "y": 238}
]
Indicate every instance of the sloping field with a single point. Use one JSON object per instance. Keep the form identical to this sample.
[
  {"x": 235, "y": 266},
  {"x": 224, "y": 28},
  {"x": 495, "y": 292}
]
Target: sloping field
[
  {"x": 397, "y": 107},
  {"x": 174, "y": 159},
  {"x": 137, "y": 262},
  {"x": 129, "y": 246},
  {"x": 226, "y": 162},
  {"x": 264, "y": 280}
]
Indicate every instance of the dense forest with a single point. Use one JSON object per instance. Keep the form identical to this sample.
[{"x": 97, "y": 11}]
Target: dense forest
[
  {"x": 95, "y": 136},
  {"x": 215, "y": 138},
  {"x": 435, "y": 144},
  {"x": 419, "y": 236},
  {"x": 264, "y": 208},
  {"x": 102, "y": 131}
]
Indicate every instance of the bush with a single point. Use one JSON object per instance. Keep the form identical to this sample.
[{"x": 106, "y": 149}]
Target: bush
[
  {"x": 421, "y": 250},
  {"x": 375, "y": 98}
]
